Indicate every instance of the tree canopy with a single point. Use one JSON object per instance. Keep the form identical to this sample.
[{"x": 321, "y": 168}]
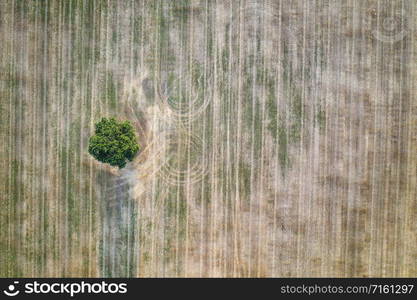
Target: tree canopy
[{"x": 114, "y": 142}]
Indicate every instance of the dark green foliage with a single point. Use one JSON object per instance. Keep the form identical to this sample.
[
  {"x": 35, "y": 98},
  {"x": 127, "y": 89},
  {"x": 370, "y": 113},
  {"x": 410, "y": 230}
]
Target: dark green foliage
[{"x": 114, "y": 142}]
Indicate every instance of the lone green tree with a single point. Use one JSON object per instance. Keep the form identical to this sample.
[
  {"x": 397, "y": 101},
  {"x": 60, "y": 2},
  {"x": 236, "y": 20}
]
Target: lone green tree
[{"x": 114, "y": 142}]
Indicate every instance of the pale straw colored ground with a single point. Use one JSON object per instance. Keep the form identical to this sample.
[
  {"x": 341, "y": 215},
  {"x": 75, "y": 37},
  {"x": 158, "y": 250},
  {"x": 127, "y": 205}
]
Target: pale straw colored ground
[{"x": 279, "y": 138}]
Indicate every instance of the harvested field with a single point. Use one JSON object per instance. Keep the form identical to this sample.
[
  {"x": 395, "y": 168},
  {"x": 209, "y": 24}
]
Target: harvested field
[{"x": 278, "y": 138}]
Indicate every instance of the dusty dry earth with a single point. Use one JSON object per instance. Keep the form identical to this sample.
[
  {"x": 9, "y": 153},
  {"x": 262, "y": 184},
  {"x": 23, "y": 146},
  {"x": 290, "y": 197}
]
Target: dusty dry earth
[{"x": 278, "y": 138}]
